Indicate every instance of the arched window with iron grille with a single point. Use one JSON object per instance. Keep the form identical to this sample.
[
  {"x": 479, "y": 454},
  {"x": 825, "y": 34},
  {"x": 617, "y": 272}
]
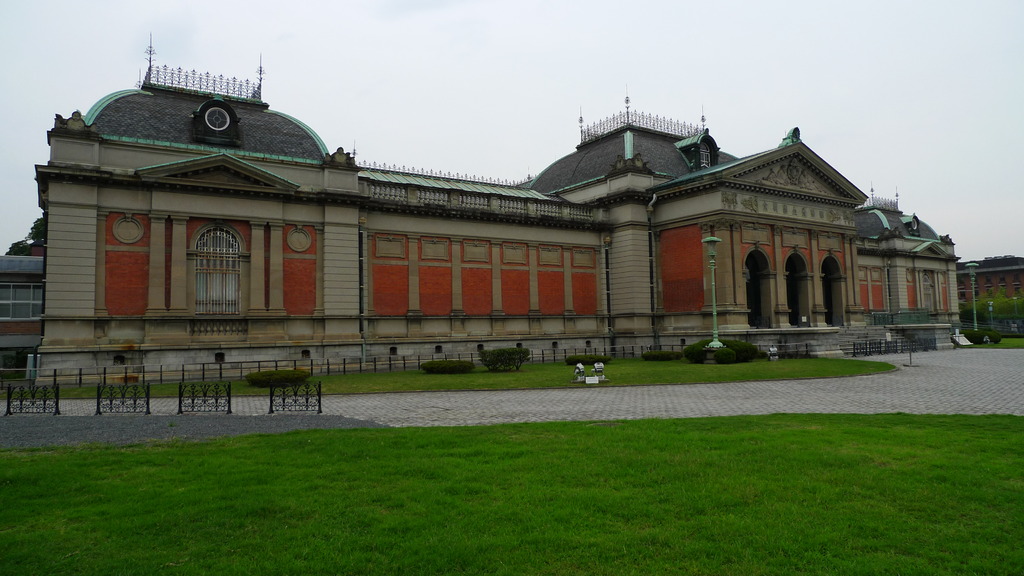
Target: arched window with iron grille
[{"x": 217, "y": 272}]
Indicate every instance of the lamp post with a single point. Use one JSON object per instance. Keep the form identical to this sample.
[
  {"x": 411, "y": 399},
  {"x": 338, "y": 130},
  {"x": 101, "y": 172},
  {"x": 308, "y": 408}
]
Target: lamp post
[
  {"x": 711, "y": 241},
  {"x": 974, "y": 299},
  {"x": 1015, "y": 313},
  {"x": 991, "y": 319}
]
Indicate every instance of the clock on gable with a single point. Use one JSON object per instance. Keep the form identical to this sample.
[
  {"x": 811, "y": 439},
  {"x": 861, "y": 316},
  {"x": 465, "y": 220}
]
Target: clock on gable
[{"x": 215, "y": 122}]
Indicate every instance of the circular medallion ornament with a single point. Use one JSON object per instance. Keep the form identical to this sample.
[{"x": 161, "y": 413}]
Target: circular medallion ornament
[
  {"x": 299, "y": 240},
  {"x": 128, "y": 230},
  {"x": 218, "y": 118}
]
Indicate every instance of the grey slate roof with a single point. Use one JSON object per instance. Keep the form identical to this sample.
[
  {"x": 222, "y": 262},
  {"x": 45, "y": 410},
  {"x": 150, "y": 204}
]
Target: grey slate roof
[
  {"x": 872, "y": 222},
  {"x": 165, "y": 116},
  {"x": 595, "y": 159}
]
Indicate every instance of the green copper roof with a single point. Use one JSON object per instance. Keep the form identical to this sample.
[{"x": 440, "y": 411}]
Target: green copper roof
[
  {"x": 98, "y": 107},
  {"x": 449, "y": 184},
  {"x": 304, "y": 126}
]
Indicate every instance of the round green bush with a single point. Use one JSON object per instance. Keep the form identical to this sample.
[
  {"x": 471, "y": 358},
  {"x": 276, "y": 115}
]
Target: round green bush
[
  {"x": 586, "y": 359},
  {"x": 978, "y": 336},
  {"x": 268, "y": 378},
  {"x": 744, "y": 351},
  {"x": 661, "y": 355},
  {"x": 447, "y": 366},
  {"x": 725, "y": 356}
]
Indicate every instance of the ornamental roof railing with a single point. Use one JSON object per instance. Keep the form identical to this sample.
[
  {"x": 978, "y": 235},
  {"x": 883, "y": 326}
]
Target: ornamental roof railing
[
  {"x": 882, "y": 203},
  {"x": 441, "y": 174},
  {"x": 203, "y": 82},
  {"x": 639, "y": 120}
]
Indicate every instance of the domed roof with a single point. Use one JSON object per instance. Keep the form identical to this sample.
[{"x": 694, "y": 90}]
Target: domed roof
[
  {"x": 166, "y": 116},
  {"x": 669, "y": 155},
  {"x": 873, "y": 222}
]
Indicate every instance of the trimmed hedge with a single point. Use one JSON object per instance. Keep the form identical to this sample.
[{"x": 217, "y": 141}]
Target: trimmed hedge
[
  {"x": 586, "y": 359},
  {"x": 978, "y": 336},
  {"x": 725, "y": 356},
  {"x": 447, "y": 366},
  {"x": 504, "y": 359},
  {"x": 661, "y": 355},
  {"x": 745, "y": 351},
  {"x": 269, "y": 378}
]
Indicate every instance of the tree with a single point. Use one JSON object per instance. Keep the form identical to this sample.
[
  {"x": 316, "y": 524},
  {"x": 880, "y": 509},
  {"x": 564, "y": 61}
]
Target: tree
[{"x": 22, "y": 247}]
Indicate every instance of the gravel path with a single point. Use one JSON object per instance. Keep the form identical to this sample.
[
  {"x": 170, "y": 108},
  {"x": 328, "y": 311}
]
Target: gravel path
[{"x": 964, "y": 381}]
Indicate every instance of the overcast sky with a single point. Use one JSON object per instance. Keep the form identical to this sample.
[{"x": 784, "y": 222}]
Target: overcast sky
[{"x": 921, "y": 98}]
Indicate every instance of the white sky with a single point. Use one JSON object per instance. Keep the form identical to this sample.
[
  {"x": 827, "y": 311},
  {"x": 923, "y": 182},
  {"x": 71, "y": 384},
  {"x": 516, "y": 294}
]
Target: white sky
[{"x": 923, "y": 98}]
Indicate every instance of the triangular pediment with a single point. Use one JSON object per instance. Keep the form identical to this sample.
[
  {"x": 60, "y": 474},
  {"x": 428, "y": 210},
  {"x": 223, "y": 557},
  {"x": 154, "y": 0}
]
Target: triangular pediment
[
  {"x": 796, "y": 170},
  {"x": 217, "y": 171}
]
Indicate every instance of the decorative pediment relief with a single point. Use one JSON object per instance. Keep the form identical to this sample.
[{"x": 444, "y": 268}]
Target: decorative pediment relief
[
  {"x": 795, "y": 173},
  {"x": 220, "y": 171}
]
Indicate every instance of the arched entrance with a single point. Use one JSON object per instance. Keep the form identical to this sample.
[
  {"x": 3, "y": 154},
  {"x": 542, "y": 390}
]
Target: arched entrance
[
  {"x": 796, "y": 290},
  {"x": 832, "y": 291},
  {"x": 757, "y": 274}
]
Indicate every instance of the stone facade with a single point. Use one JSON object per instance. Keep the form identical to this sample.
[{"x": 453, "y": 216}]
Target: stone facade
[{"x": 187, "y": 226}]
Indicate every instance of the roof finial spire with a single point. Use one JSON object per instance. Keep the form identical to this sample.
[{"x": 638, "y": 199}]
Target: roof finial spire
[
  {"x": 150, "y": 52},
  {"x": 703, "y": 120},
  {"x": 872, "y": 192},
  {"x": 259, "y": 82},
  {"x": 581, "y": 123},
  {"x": 627, "y": 103}
]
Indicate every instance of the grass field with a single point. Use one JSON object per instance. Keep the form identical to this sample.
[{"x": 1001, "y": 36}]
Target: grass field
[
  {"x": 782, "y": 494},
  {"x": 622, "y": 372}
]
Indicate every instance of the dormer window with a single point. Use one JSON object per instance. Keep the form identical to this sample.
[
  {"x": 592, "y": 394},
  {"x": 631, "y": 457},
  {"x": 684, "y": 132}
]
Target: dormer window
[
  {"x": 700, "y": 150},
  {"x": 215, "y": 122}
]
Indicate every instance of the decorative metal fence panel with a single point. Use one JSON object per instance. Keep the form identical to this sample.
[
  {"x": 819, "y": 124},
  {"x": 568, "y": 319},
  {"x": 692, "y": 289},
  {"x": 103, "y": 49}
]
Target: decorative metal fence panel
[
  {"x": 33, "y": 399},
  {"x": 895, "y": 346},
  {"x": 204, "y": 397},
  {"x": 303, "y": 397},
  {"x": 128, "y": 398}
]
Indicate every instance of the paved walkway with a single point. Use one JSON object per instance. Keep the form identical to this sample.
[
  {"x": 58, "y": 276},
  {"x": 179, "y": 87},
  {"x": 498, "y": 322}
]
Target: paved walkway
[{"x": 963, "y": 381}]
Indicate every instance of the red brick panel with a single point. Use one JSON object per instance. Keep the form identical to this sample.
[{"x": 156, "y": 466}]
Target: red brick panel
[
  {"x": 127, "y": 283},
  {"x": 682, "y": 269},
  {"x": 390, "y": 290},
  {"x": 584, "y": 293},
  {"x": 911, "y": 291},
  {"x": 476, "y": 291},
  {"x": 21, "y": 327},
  {"x": 515, "y": 292},
  {"x": 436, "y": 290},
  {"x": 299, "y": 286},
  {"x": 551, "y": 289}
]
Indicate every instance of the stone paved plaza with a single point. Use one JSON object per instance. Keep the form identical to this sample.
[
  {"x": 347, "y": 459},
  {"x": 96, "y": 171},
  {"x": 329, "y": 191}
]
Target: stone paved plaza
[{"x": 963, "y": 381}]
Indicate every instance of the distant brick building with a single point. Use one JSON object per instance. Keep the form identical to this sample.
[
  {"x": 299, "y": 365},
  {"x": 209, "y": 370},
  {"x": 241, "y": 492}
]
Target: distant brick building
[
  {"x": 993, "y": 274},
  {"x": 21, "y": 302},
  {"x": 188, "y": 221}
]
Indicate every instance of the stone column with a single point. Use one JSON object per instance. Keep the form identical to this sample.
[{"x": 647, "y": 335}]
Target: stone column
[
  {"x": 157, "y": 264},
  {"x": 414, "y": 276},
  {"x": 276, "y": 271},
  {"x": 101, "y": 266},
  {"x": 179, "y": 265},
  {"x": 257, "y": 269}
]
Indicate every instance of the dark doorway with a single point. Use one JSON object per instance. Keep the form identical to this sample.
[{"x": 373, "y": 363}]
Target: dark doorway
[
  {"x": 757, "y": 275},
  {"x": 796, "y": 290},
  {"x": 832, "y": 291}
]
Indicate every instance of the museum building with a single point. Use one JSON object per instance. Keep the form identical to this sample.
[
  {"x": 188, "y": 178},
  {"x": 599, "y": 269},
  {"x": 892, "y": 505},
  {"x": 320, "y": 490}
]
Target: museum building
[{"x": 187, "y": 221}]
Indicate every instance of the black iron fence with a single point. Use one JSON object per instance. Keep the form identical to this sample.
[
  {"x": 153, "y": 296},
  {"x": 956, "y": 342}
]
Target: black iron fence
[
  {"x": 33, "y": 399},
  {"x": 894, "y": 346},
  {"x": 227, "y": 371}
]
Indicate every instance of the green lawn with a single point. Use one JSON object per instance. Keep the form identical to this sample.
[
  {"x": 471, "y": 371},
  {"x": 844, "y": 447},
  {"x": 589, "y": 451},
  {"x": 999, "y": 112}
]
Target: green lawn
[
  {"x": 782, "y": 494},
  {"x": 621, "y": 372}
]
